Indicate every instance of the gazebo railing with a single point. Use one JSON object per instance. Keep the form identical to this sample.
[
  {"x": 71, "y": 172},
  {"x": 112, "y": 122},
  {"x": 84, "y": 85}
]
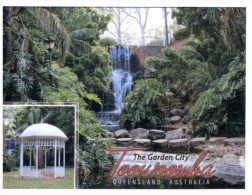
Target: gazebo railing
[
  {"x": 28, "y": 171},
  {"x": 60, "y": 171}
]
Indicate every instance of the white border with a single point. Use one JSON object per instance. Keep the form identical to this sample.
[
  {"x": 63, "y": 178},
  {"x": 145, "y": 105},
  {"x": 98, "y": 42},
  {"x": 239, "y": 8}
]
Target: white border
[{"x": 152, "y": 3}]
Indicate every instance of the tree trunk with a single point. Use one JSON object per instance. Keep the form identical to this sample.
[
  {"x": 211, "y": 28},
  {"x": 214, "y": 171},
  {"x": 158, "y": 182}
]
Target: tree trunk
[
  {"x": 8, "y": 46},
  {"x": 166, "y": 29}
]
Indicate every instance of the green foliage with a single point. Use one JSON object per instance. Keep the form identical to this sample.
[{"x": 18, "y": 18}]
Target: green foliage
[
  {"x": 220, "y": 109},
  {"x": 92, "y": 69},
  {"x": 105, "y": 42},
  {"x": 145, "y": 103},
  {"x": 172, "y": 67},
  {"x": 180, "y": 34},
  {"x": 10, "y": 161}
]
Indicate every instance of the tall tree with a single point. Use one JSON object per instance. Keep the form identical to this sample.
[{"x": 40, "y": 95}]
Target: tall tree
[
  {"x": 141, "y": 17},
  {"x": 119, "y": 17}
]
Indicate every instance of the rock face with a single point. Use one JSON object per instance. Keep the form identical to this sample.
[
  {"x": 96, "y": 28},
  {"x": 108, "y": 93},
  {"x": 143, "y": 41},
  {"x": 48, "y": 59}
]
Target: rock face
[
  {"x": 124, "y": 141},
  {"x": 139, "y": 133},
  {"x": 198, "y": 141},
  {"x": 156, "y": 134},
  {"x": 160, "y": 143},
  {"x": 142, "y": 142},
  {"x": 121, "y": 133},
  {"x": 178, "y": 143},
  {"x": 216, "y": 140},
  {"x": 175, "y": 119},
  {"x": 240, "y": 141}
]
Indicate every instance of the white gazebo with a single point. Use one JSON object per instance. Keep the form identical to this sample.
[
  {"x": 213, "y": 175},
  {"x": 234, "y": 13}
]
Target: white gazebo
[{"x": 47, "y": 137}]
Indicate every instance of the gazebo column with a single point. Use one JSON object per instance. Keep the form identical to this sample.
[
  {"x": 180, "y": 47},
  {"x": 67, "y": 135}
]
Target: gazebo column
[
  {"x": 45, "y": 161},
  {"x": 55, "y": 154},
  {"x": 30, "y": 158},
  {"x": 59, "y": 163},
  {"x": 36, "y": 159},
  {"x": 21, "y": 159},
  {"x": 64, "y": 158}
]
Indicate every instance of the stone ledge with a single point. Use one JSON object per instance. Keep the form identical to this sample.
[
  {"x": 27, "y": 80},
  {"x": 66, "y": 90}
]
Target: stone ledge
[{"x": 235, "y": 141}]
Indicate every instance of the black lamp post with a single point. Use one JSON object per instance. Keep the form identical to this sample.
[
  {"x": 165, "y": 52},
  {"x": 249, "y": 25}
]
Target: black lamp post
[{"x": 49, "y": 43}]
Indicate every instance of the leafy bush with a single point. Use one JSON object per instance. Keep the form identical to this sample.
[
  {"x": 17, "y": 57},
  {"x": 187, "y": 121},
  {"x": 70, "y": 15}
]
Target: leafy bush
[
  {"x": 145, "y": 104},
  {"x": 10, "y": 161},
  {"x": 181, "y": 34},
  {"x": 105, "y": 42},
  {"x": 221, "y": 109}
]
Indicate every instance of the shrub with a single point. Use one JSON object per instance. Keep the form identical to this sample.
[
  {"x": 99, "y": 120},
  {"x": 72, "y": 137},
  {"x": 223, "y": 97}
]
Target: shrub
[
  {"x": 220, "y": 110},
  {"x": 145, "y": 104},
  {"x": 105, "y": 42},
  {"x": 181, "y": 34}
]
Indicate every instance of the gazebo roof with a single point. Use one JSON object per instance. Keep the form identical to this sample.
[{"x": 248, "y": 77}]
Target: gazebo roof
[{"x": 43, "y": 130}]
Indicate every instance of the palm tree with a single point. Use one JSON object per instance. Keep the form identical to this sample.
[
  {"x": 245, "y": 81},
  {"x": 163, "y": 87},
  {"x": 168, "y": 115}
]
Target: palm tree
[{"x": 49, "y": 23}]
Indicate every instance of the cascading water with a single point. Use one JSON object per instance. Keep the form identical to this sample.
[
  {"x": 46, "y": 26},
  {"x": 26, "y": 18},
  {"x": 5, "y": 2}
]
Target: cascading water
[{"x": 113, "y": 101}]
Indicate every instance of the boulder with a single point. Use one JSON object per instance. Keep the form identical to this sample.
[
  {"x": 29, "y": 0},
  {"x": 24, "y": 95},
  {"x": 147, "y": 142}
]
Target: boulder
[
  {"x": 175, "y": 119},
  {"x": 167, "y": 120},
  {"x": 182, "y": 112},
  {"x": 198, "y": 141},
  {"x": 142, "y": 142},
  {"x": 121, "y": 133},
  {"x": 160, "y": 143},
  {"x": 139, "y": 133},
  {"x": 216, "y": 140},
  {"x": 124, "y": 141},
  {"x": 235, "y": 141},
  {"x": 174, "y": 134},
  {"x": 156, "y": 134},
  {"x": 110, "y": 134},
  {"x": 175, "y": 112},
  {"x": 230, "y": 159},
  {"x": 178, "y": 143},
  {"x": 185, "y": 119}
]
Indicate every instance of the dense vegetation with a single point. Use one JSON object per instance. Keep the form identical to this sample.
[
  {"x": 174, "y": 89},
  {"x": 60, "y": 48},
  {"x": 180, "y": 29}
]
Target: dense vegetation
[
  {"x": 207, "y": 72},
  {"x": 80, "y": 68}
]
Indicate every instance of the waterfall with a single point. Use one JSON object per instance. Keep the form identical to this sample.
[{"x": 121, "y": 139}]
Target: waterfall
[{"x": 113, "y": 101}]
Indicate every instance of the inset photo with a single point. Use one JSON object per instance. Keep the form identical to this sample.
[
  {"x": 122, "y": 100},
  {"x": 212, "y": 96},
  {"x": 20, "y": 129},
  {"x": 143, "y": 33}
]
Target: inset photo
[{"x": 38, "y": 147}]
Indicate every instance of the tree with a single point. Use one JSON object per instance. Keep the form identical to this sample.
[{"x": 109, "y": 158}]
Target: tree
[
  {"x": 118, "y": 19},
  {"x": 140, "y": 15}
]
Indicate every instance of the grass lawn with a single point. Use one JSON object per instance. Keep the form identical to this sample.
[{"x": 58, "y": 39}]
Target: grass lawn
[{"x": 10, "y": 182}]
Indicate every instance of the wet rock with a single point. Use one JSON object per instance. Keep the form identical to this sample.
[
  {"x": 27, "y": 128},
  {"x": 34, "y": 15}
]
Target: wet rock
[
  {"x": 216, "y": 140},
  {"x": 139, "y": 133},
  {"x": 142, "y": 142},
  {"x": 160, "y": 143},
  {"x": 121, "y": 133},
  {"x": 198, "y": 141},
  {"x": 235, "y": 141},
  {"x": 110, "y": 134},
  {"x": 179, "y": 143},
  {"x": 175, "y": 119},
  {"x": 175, "y": 112},
  {"x": 124, "y": 141},
  {"x": 156, "y": 134}
]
